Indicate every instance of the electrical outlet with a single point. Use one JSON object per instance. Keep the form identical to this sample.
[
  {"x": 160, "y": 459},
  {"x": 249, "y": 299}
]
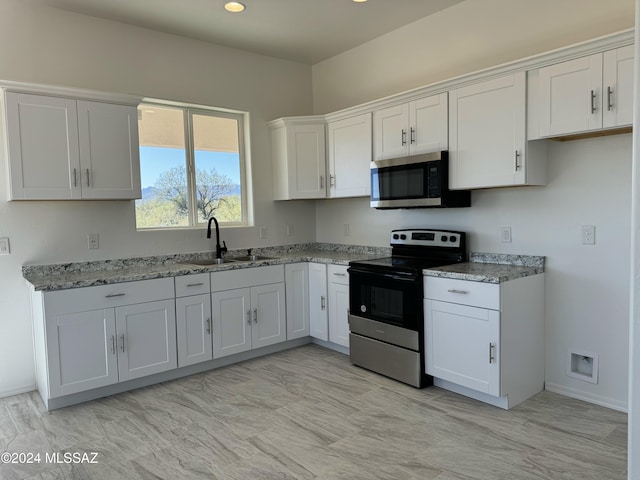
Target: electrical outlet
[
  {"x": 290, "y": 230},
  {"x": 263, "y": 233},
  {"x": 505, "y": 234},
  {"x": 346, "y": 229},
  {"x": 4, "y": 246},
  {"x": 92, "y": 241},
  {"x": 588, "y": 235}
]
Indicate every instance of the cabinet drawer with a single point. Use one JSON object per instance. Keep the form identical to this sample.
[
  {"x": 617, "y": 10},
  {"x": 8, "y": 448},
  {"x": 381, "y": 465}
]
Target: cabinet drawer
[
  {"x": 106, "y": 296},
  {"x": 246, "y": 277},
  {"x": 477, "y": 294},
  {"x": 187, "y": 285},
  {"x": 338, "y": 274}
]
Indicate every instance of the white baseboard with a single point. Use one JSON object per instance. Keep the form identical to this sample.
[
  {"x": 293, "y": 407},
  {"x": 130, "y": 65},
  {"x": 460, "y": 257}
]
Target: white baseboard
[
  {"x": 17, "y": 390},
  {"x": 587, "y": 397}
]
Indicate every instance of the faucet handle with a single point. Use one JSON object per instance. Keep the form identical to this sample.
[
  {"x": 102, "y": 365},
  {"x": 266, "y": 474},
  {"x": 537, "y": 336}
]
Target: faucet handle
[
  {"x": 249, "y": 251},
  {"x": 224, "y": 246}
]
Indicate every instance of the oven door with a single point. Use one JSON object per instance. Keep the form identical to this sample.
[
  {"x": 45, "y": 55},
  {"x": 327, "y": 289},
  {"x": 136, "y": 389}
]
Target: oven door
[
  {"x": 391, "y": 298},
  {"x": 407, "y": 182}
]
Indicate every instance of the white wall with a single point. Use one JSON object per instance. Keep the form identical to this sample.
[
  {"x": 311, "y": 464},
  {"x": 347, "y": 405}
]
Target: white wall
[
  {"x": 43, "y": 45},
  {"x": 587, "y": 287}
]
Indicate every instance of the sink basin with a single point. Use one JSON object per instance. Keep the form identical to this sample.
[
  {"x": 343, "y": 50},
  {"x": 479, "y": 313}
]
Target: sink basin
[
  {"x": 210, "y": 261},
  {"x": 252, "y": 258}
]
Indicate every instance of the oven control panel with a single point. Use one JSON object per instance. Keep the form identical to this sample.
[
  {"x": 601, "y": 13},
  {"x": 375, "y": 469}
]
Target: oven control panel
[{"x": 426, "y": 238}]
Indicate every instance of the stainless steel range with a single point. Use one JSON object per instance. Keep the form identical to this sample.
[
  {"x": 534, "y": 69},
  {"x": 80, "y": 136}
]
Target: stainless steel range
[{"x": 386, "y": 318}]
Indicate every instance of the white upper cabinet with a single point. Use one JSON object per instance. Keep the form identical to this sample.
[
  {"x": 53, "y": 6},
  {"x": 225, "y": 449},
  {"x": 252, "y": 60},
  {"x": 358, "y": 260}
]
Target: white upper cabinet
[
  {"x": 63, "y": 149},
  {"x": 586, "y": 94},
  {"x": 487, "y": 136},
  {"x": 416, "y": 127},
  {"x": 298, "y": 156},
  {"x": 349, "y": 156}
]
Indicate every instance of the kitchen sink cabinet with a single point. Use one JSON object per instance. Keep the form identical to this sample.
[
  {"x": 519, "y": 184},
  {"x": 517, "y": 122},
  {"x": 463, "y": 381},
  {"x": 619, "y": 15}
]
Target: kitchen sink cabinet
[
  {"x": 96, "y": 336},
  {"x": 484, "y": 340},
  {"x": 298, "y": 157},
  {"x": 66, "y": 149},
  {"x": 248, "y": 309},
  {"x": 338, "y": 287},
  {"x": 349, "y": 156},
  {"x": 586, "y": 94},
  {"x": 487, "y": 136},
  {"x": 416, "y": 127},
  {"x": 193, "y": 319}
]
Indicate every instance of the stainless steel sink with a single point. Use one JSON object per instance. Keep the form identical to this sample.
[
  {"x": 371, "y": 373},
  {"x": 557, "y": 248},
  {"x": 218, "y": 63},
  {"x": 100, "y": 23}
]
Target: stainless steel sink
[
  {"x": 210, "y": 261},
  {"x": 251, "y": 258}
]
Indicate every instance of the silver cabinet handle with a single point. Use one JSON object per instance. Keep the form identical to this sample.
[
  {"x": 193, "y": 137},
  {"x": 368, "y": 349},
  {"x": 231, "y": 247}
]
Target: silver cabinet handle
[
  {"x": 491, "y": 352},
  {"x": 593, "y": 101},
  {"x": 517, "y": 158},
  {"x": 461, "y": 292},
  {"x": 122, "y": 341},
  {"x": 413, "y": 135},
  {"x": 404, "y": 137},
  {"x": 209, "y": 326},
  {"x": 113, "y": 344},
  {"x": 321, "y": 181},
  {"x": 255, "y": 315},
  {"x": 609, "y": 95},
  {"x": 195, "y": 284},
  {"x": 332, "y": 180},
  {"x": 88, "y": 182},
  {"x": 322, "y": 302},
  {"x": 248, "y": 317},
  {"x": 340, "y": 274},
  {"x": 75, "y": 177},
  {"x": 112, "y": 295}
]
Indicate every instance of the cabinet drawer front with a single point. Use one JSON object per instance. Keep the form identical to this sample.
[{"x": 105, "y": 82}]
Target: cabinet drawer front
[
  {"x": 338, "y": 274},
  {"x": 105, "y": 296},
  {"x": 246, "y": 277},
  {"x": 477, "y": 294},
  {"x": 197, "y": 284}
]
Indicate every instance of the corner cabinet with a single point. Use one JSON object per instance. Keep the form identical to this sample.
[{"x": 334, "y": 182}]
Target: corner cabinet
[
  {"x": 416, "y": 127},
  {"x": 96, "y": 336},
  {"x": 487, "y": 136},
  {"x": 67, "y": 149},
  {"x": 486, "y": 340},
  {"x": 298, "y": 156},
  {"x": 349, "y": 156}
]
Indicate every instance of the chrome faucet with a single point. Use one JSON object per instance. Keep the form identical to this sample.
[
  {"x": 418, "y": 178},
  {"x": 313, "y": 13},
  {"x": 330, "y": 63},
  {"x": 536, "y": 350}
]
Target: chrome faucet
[{"x": 219, "y": 249}]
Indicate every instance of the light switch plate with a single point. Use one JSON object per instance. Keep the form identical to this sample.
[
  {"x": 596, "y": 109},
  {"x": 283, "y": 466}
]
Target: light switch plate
[
  {"x": 4, "y": 246},
  {"x": 588, "y": 235},
  {"x": 93, "y": 241},
  {"x": 505, "y": 234}
]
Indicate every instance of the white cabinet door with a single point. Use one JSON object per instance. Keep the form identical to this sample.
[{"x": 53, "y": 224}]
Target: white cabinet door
[
  {"x": 297, "y": 298},
  {"x": 305, "y": 149},
  {"x": 109, "y": 151},
  {"x": 617, "y": 81},
  {"x": 350, "y": 156},
  {"x": 81, "y": 350},
  {"x": 338, "y": 304},
  {"x": 487, "y": 133},
  {"x": 231, "y": 311},
  {"x": 390, "y": 132},
  {"x": 42, "y": 137},
  {"x": 429, "y": 130},
  {"x": 269, "y": 317},
  {"x": 319, "y": 319},
  {"x": 462, "y": 345},
  {"x": 571, "y": 96},
  {"x": 146, "y": 339},
  {"x": 193, "y": 328}
]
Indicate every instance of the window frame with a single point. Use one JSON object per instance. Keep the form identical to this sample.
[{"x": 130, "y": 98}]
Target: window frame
[{"x": 188, "y": 111}]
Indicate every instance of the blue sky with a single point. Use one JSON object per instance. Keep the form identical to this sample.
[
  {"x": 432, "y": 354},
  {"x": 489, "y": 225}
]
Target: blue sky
[{"x": 155, "y": 160}]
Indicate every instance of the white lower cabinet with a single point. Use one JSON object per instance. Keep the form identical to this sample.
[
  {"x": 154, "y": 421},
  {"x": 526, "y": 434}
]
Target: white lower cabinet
[
  {"x": 318, "y": 301},
  {"x": 297, "y": 292},
  {"x": 193, "y": 319},
  {"x": 248, "y": 309},
  {"x": 486, "y": 340},
  {"x": 338, "y": 281},
  {"x": 97, "y": 336}
]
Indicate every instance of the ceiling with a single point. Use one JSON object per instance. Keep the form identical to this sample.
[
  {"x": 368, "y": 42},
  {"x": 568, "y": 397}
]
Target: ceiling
[{"x": 306, "y": 31}]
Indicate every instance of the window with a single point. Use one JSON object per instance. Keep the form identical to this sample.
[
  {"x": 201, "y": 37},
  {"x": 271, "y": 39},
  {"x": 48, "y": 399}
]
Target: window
[{"x": 192, "y": 167}]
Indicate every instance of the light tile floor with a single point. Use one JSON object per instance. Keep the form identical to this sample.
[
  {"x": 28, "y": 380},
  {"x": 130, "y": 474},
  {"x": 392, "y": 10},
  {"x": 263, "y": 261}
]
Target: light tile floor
[{"x": 307, "y": 413}]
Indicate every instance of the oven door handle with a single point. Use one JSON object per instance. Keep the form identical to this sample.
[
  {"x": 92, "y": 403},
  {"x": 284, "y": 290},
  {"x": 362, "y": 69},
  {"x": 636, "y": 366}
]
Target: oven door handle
[{"x": 402, "y": 277}]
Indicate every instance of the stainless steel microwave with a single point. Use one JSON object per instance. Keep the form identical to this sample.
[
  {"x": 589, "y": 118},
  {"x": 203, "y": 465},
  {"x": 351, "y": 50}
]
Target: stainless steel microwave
[{"x": 417, "y": 181}]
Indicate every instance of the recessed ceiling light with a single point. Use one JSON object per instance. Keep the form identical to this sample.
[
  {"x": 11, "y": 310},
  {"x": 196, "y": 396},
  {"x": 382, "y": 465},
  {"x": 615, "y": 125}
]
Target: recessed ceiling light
[
  {"x": 359, "y": 1},
  {"x": 234, "y": 7}
]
